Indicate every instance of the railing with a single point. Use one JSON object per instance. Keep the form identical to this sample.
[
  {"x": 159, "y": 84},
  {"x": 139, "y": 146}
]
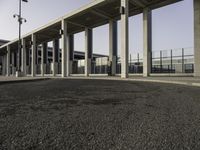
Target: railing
[
  {"x": 48, "y": 68},
  {"x": 173, "y": 61},
  {"x": 78, "y": 67},
  {"x": 38, "y": 69},
  {"x": 165, "y": 61},
  {"x": 100, "y": 66},
  {"x": 59, "y": 68}
]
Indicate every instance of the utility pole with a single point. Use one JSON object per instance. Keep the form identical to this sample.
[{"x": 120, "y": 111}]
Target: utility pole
[{"x": 20, "y": 21}]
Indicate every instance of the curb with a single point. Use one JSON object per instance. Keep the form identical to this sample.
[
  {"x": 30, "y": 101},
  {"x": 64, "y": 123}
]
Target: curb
[
  {"x": 22, "y": 81},
  {"x": 193, "y": 84}
]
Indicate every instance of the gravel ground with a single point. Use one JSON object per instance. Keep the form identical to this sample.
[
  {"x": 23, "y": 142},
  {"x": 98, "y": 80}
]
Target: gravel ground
[{"x": 97, "y": 114}]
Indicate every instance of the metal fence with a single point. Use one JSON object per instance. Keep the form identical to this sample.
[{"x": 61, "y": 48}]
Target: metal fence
[
  {"x": 165, "y": 61},
  {"x": 173, "y": 61},
  {"x": 100, "y": 65}
]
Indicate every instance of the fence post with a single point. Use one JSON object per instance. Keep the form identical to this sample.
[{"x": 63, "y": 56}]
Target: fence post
[
  {"x": 130, "y": 67},
  {"x": 161, "y": 62},
  {"x": 151, "y": 58},
  {"x": 138, "y": 62},
  {"x": 171, "y": 60},
  {"x": 183, "y": 63}
]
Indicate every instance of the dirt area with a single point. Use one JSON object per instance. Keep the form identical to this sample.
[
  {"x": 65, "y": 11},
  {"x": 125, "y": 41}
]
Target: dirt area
[{"x": 98, "y": 114}]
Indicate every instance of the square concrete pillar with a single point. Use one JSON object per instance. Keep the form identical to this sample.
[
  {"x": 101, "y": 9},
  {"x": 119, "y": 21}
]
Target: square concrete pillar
[
  {"x": 88, "y": 51},
  {"x": 70, "y": 53},
  {"x": 44, "y": 52},
  {"x": 28, "y": 60},
  {"x": 13, "y": 62},
  {"x": 113, "y": 46},
  {"x": 64, "y": 47},
  {"x": 4, "y": 65},
  {"x": 23, "y": 58},
  {"x": 124, "y": 38},
  {"x": 147, "y": 41},
  {"x": 197, "y": 38},
  {"x": 55, "y": 56},
  {"x": 18, "y": 60},
  {"x": 8, "y": 61},
  {"x": 34, "y": 50}
]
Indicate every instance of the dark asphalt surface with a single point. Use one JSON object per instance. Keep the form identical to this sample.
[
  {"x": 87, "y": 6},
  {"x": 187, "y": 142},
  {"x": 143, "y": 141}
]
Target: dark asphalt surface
[{"x": 97, "y": 114}]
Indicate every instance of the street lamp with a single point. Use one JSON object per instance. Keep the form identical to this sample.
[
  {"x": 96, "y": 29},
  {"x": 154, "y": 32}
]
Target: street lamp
[{"x": 20, "y": 20}]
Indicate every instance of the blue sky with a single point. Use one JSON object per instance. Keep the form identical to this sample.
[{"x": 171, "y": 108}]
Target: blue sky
[{"x": 172, "y": 25}]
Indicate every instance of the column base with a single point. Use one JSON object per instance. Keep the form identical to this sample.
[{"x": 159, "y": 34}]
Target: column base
[
  {"x": 88, "y": 67},
  {"x": 124, "y": 76},
  {"x": 197, "y": 74},
  {"x": 55, "y": 72},
  {"x": 146, "y": 75},
  {"x": 19, "y": 74},
  {"x": 43, "y": 69},
  {"x": 114, "y": 66}
]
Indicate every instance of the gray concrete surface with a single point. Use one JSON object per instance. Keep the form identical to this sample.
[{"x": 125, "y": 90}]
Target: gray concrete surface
[
  {"x": 189, "y": 81},
  {"x": 99, "y": 114}
]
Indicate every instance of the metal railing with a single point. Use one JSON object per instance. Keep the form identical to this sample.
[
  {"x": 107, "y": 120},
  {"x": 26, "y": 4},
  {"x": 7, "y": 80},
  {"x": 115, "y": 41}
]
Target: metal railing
[
  {"x": 173, "y": 61},
  {"x": 165, "y": 61}
]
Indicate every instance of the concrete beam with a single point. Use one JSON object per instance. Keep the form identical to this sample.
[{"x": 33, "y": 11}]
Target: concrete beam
[
  {"x": 77, "y": 24},
  {"x": 86, "y": 9},
  {"x": 113, "y": 46},
  {"x": 88, "y": 51},
  {"x": 163, "y": 3},
  {"x": 147, "y": 31},
  {"x": 101, "y": 14},
  {"x": 124, "y": 38},
  {"x": 138, "y": 3}
]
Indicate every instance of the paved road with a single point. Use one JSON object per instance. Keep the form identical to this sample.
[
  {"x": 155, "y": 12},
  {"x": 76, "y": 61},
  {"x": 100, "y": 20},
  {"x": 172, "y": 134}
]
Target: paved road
[{"x": 98, "y": 114}]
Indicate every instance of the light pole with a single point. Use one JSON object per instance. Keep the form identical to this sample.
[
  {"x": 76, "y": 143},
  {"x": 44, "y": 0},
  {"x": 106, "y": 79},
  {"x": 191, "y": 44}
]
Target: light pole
[{"x": 20, "y": 20}]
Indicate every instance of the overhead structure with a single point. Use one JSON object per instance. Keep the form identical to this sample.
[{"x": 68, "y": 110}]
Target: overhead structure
[{"x": 96, "y": 13}]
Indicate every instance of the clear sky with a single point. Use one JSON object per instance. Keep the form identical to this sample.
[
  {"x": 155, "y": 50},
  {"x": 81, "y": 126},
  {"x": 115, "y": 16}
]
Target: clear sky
[{"x": 172, "y": 25}]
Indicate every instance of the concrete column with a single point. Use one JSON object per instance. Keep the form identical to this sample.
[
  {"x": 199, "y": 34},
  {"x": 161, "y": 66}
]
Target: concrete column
[
  {"x": 70, "y": 53},
  {"x": 55, "y": 56},
  {"x": 147, "y": 31},
  {"x": 124, "y": 38},
  {"x": 36, "y": 56},
  {"x": 33, "y": 48},
  {"x": 4, "y": 65},
  {"x": 27, "y": 60},
  {"x": 197, "y": 38},
  {"x": 23, "y": 57},
  {"x": 113, "y": 45},
  {"x": 8, "y": 61},
  {"x": 44, "y": 58},
  {"x": 88, "y": 51},
  {"x": 13, "y": 62},
  {"x": 64, "y": 47}
]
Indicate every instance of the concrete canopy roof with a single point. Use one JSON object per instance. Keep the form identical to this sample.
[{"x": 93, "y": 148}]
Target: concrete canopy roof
[{"x": 95, "y": 14}]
